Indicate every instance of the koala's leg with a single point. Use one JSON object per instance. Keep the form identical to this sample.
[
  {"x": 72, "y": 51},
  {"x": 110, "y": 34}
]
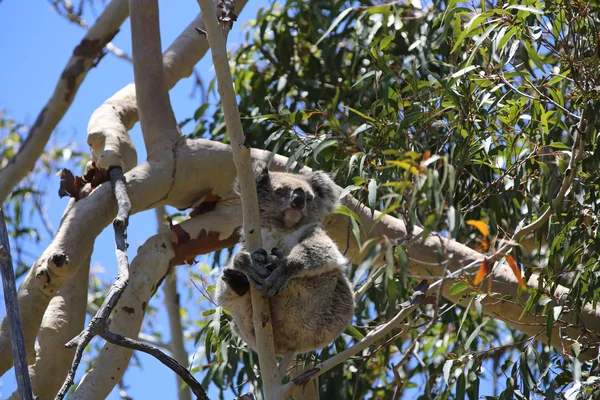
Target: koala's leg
[
  {"x": 236, "y": 280},
  {"x": 252, "y": 265}
]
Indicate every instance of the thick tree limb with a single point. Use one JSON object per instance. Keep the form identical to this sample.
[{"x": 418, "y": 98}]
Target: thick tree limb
[
  {"x": 173, "y": 312},
  {"x": 159, "y": 126},
  {"x": 63, "y": 320},
  {"x": 148, "y": 270},
  {"x": 12, "y": 313},
  {"x": 98, "y": 323},
  {"x": 108, "y": 128},
  {"x": 150, "y": 186},
  {"x": 84, "y": 57},
  {"x": 261, "y": 314}
]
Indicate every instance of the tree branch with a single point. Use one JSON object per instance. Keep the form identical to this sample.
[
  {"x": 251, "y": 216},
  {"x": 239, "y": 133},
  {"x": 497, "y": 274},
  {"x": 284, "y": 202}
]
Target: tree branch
[
  {"x": 99, "y": 321},
  {"x": 173, "y": 312},
  {"x": 181, "y": 371},
  {"x": 582, "y": 130},
  {"x": 328, "y": 364},
  {"x": 154, "y": 107},
  {"x": 12, "y": 313},
  {"x": 63, "y": 319},
  {"x": 261, "y": 314},
  {"x": 84, "y": 57}
]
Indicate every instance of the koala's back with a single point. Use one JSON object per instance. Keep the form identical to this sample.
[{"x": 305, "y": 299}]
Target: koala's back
[{"x": 310, "y": 313}]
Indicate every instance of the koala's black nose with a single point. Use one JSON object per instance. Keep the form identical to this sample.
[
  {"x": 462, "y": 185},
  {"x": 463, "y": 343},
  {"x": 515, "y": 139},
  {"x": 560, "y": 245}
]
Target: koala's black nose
[{"x": 298, "y": 199}]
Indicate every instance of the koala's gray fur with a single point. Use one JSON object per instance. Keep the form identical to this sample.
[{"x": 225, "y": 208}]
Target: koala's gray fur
[{"x": 304, "y": 274}]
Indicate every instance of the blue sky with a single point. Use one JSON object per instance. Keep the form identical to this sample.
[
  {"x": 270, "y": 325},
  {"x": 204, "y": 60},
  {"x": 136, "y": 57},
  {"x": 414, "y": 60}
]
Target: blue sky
[{"x": 35, "y": 44}]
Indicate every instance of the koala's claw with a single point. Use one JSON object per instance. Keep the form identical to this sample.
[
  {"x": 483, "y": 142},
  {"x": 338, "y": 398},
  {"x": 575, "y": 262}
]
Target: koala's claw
[
  {"x": 276, "y": 282},
  {"x": 260, "y": 256},
  {"x": 252, "y": 265},
  {"x": 277, "y": 252}
]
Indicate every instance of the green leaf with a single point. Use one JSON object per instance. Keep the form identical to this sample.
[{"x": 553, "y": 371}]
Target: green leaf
[
  {"x": 355, "y": 333},
  {"x": 322, "y": 146},
  {"x": 343, "y": 210},
  {"x": 458, "y": 287},
  {"x": 525, "y": 8},
  {"x": 474, "y": 334},
  {"x": 365, "y": 116},
  {"x": 446, "y": 370},
  {"x": 372, "y": 195},
  {"x": 463, "y": 71},
  {"x": 349, "y": 189},
  {"x": 335, "y": 23},
  {"x": 559, "y": 145},
  {"x": 385, "y": 42},
  {"x": 471, "y": 25}
]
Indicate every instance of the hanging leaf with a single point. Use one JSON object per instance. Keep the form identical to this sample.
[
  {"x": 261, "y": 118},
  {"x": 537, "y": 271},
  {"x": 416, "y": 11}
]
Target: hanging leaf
[
  {"x": 484, "y": 270},
  {"x": 372, "y": 195},
  {"x": 516, "y": 270},
  {"x": 480, "y": 226}
]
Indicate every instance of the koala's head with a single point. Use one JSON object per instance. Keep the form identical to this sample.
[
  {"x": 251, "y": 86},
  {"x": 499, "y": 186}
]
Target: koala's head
[{"x": 288, "y": 201}]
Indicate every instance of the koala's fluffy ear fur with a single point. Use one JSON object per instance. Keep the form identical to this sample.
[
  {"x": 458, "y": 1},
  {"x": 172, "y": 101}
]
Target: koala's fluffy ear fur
[
  {"x": 325, "y": 189},
  {"x": 261, "y": 176}
]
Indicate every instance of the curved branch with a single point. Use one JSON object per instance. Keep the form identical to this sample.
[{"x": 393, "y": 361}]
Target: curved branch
[
  {"x": 100, "y": 320},
  {"x": 154, "y": 106},
  {"x": 148, "y": 270},
  {"x": 84, "y": 57},
  {"x": 159, "y": 355},
  {"x": 171, "y": 302},
  {"x": 108, "y": 128}
]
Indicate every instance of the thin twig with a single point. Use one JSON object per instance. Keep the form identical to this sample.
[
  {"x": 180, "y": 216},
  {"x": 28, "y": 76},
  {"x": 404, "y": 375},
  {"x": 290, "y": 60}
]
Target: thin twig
[
  {"x": 582, "y": 130},
  {"x": 170, "y": 362},
  {"x": 543, "y": 98},
  {"x": 98, "y": 322},
  {"x": 12, "y": 312},
  {"x": 79, "y": 21}
]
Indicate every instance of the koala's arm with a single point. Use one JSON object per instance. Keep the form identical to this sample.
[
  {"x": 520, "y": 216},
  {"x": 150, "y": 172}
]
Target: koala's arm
[{"x": 314, "y": 254}]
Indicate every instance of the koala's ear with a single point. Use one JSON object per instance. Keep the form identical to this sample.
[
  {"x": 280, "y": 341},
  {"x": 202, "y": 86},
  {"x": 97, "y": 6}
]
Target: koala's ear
[
  {"x": 261, "y": 176},
  {"x": 261, "y": 173},
  {"x": 325, "y": 188}
]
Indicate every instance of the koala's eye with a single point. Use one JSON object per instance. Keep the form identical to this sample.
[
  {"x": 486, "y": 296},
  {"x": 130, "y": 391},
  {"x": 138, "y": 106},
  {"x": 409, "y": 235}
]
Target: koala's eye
[
  {"x": 280, "y": 191},
  {"x": 309, "y": 197}
]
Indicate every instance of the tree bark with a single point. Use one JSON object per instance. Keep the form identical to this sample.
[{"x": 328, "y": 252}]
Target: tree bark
[
  {"x": 173, "y": 313},
  {"x": 62, "y": 321}
]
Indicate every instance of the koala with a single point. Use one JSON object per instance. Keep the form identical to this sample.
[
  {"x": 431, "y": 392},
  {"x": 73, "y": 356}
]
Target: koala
[{"x": 303, "y": 273}]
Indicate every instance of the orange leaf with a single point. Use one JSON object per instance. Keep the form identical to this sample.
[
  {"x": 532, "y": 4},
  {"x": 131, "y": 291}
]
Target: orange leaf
[
  {"x": 484, "y": 270},
  {"x": 480, "y": 225},
  {"x": 516, "y": 270},
  {"x": 426, "y": 155}
]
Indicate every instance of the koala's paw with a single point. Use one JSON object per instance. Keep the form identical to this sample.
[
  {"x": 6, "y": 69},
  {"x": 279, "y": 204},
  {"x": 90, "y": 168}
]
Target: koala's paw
[
  {"x": 275, "y": 259},
  {"x": 253, "y": 265},
  {"x": 276, "y": 282}
]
